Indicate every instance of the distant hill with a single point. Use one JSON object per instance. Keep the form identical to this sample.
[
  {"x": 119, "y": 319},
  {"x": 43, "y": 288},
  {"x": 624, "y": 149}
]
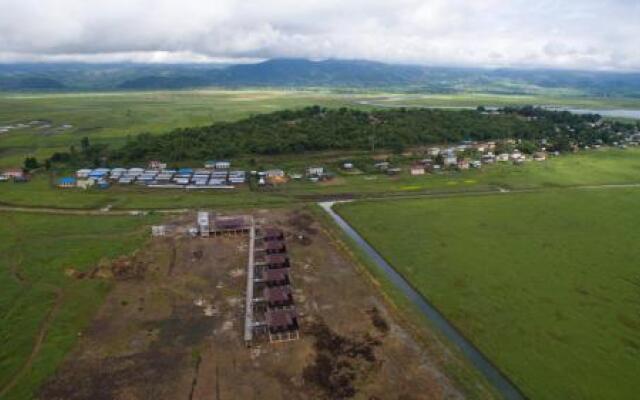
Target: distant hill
[{"x": 305, "y": 73}]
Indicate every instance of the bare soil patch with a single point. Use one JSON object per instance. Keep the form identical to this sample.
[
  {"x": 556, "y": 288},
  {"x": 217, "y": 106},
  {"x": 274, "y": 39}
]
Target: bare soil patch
[{"x": 172, "y": 329}]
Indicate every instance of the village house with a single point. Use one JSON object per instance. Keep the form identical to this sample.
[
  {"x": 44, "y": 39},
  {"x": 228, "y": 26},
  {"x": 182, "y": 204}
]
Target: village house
[
  {"x": 274, "y": 173},
  {"x": 275, "y": 247},
  {"x": 67, "y": 182},
  {"x": 539, "y": 156},
  {"x": 217, "y": 164},
  {"x": 502, "y": 157},
  {"x": 155, "y": 164},
  {"x": 274, "y": 176},
  {"x": 463, "y": 164},
  {"x": 85, "y": 183},
  {"x": 433, "y": 151},
  {"x": 394, "y": 171},
  {"x": 282, "y": 325},
  {"x": 276, "y": 261},
  {"x": 516, "y": 155},
  {"x": 15, "y": 174},
  {"x": 315, "y": 171},
  {"x": 83, "y": 173},
  {"x": 278, "y": 297},
  {"x": 269, "y": 234},
  {"x": 488, "y": 158},
  {"x": 382, "y": 166},
  {"x": 417, "y": 169},
  {"x": 276, "y": 277},
  {"x": 296, "y": 176},
  {"x": 450, "y": 160},
  {"x": 222, "y": 165}
]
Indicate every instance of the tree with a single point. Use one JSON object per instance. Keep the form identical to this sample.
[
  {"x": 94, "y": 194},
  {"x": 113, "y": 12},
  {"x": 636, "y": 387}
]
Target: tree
[
  {"x": 31, "y": 163},
  {"x": 84, "y": 144}
]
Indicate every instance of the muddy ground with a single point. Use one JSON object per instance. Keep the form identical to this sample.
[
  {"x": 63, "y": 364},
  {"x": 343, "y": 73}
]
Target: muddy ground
[{"x": 172, "y": 328}]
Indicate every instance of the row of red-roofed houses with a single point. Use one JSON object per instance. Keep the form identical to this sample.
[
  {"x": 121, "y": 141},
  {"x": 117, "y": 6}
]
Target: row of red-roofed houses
[{"x": 274, "y": 306}]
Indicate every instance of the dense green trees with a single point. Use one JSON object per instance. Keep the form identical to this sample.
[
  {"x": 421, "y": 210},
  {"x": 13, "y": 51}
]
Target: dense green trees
[
  {"x": 317, "y": 128},
  {"x": 31, "y": 163}
]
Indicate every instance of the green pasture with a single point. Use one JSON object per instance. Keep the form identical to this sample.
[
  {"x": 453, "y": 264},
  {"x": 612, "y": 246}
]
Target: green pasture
[
  {"x": 545, "y": 284},
  {"x": 110, "y": 117},
  {"x": 36, "y": 297}
]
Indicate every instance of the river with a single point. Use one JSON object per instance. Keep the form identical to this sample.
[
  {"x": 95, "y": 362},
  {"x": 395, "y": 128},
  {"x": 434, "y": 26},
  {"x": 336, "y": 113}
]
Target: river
[{"x": 605, "y": 112}]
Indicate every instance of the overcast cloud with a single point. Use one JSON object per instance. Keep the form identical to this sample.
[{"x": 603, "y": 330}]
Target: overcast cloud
[{"x": 584, "y": 34}]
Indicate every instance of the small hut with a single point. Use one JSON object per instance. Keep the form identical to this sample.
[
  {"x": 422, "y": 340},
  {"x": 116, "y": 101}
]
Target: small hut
[
  {"x": 276, "y": 277},
  {"x": 275, "y": 247},
  {"x": 67, "y": 182},
  {"x": 282, "y": 325},
  {"x": 270, "y": 234},
  {"x": 278, "y": 296}
]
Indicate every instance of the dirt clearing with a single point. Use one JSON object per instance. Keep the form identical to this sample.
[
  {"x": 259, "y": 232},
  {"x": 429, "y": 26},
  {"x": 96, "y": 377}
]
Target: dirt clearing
[{"x": 172, "y": 328}]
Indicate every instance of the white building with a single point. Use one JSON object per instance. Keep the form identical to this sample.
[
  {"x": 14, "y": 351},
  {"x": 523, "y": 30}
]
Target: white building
[
  {"x": 203, "y": 223},
  {"x": 503, "y": 157},
  {"x": 83, "y": 173},
  {"x": 315, "y": 171}
]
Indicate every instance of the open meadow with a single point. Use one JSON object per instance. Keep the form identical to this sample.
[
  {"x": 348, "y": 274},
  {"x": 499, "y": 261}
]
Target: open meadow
[
  {"x": 542, "y": 279},
  {"x": 545, "y": 284},
  {"x": 109, "y": 117},
  {"x": 43, "y": 307}
]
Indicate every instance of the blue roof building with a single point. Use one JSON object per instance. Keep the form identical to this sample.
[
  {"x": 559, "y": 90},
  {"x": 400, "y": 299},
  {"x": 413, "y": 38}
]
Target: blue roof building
[{"x": 67, "y": 182}]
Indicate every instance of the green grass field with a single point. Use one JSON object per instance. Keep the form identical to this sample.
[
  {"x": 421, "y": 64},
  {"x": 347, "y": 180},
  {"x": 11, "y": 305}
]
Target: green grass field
[
  {"x": 111, "y": 116},
  {"x": 546, "y": 284},
  {"x": 37, "y": 298},
  {"x": 36, "y": 249}
]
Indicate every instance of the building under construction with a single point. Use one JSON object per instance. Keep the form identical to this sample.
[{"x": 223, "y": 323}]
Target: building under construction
[
  {"x": 274, "y": 311},
  {"x": 223, "y": 225},
  {"x": 269, "y": 304}
]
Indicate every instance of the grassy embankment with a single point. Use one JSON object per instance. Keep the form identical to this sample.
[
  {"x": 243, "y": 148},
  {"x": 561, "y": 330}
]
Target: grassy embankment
[
  {"x": 545, "y": 284},
  {"x": 43, "y": 309}
]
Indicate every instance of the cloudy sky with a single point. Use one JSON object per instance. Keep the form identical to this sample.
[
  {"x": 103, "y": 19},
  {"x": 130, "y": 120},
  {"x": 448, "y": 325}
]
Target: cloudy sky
[{"x": 583, "y": 34}]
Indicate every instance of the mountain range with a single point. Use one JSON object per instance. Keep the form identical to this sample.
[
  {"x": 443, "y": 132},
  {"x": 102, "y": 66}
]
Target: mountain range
[{"x": 300, "y": 73}]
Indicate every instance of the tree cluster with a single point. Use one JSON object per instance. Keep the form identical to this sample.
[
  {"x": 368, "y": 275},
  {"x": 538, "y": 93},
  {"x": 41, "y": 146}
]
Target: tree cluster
[{"x": 317, "y": 128}]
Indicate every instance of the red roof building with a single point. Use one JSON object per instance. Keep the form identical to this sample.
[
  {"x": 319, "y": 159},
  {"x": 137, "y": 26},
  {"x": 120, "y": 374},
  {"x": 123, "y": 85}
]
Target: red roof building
[
  {"x": 275, "y": 261},
  {"x": 282, "y": 324},
  {"x": 276, "y": 277},
  {"x": 270, "y": 234},
  {"x": 275, "y": 247},
  {"x": 278, "y": 296}
]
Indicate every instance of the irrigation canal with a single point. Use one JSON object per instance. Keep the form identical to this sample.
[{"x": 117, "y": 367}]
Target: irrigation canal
[{"x": 479, "y": 360}]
